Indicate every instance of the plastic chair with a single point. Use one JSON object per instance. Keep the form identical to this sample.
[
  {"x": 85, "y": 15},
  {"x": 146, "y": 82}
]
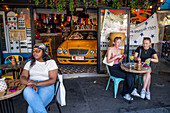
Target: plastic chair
[
  {"x": 49, "y": 49},
  {"x": 116, "y": 81},
  {"x": 10, "y": 74}
]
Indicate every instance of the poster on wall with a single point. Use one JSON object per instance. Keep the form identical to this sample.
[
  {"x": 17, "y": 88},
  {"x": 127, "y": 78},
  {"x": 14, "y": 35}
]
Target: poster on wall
[
  {"x": 148, "y": 28},
  {"x": 111, "y": 24},
  {"x": 17, "y": 34}
]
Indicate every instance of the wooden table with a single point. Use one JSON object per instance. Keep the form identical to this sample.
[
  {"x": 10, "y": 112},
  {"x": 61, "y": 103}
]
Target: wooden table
[
  {"x": 6, "y": 104},
  {"x": 9, "y": 66},
  {"x": 144, "y": 70}
]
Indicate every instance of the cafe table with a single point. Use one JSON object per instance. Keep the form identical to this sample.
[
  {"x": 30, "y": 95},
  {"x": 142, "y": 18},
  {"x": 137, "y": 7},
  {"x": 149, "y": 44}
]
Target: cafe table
[
  {"x": 6, "y": 102},
  {"x": 9, "y": 66},
  {"x": 126, "y": 68}
]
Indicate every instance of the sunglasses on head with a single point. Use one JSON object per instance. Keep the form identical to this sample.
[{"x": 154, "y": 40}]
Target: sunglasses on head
[{"x": 36, "y": 51}]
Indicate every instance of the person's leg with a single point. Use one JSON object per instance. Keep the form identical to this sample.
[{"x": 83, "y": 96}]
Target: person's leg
[
  {"x": 34, "y": 100},
  {"x": 146, "y": 80},
  {"x": 30, "y": 110},
  {"x": 130, "y": 82},
  {"x": 149, "y": 82},
  {"x": 116, "y": 71},
  {"x": 46, "y": 93}
]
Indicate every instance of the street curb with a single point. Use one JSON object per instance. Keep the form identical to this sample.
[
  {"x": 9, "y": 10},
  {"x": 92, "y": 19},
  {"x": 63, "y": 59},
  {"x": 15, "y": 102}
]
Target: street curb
[{"x": 152, "y": 110}]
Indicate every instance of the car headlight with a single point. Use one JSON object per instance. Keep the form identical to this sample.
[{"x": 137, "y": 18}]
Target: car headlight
[
  {"x": 60, "y": 51},
  {"x": 96, "y": 51},
  {"x": 92, "y": 52},
  {"x": 65, "y": 51}
]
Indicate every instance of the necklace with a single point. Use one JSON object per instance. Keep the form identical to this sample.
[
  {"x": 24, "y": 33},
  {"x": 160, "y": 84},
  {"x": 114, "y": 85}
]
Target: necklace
[{"x": 145, "y": 51}]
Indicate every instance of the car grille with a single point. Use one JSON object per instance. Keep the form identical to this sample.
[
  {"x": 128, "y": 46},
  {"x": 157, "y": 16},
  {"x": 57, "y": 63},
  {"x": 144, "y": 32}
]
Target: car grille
[{"x": 78, "y": 51}]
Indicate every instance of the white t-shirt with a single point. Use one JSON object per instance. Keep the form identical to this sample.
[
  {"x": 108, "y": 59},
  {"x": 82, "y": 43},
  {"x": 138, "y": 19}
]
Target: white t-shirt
[{"x": 40, "y": 71}]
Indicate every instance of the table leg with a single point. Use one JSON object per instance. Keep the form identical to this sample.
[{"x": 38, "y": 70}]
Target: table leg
[{"x": 6, "y": 106}]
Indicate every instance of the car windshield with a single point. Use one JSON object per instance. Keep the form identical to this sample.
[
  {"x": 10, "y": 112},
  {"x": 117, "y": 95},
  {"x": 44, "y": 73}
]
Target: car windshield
[{"x": 83, "y": 35}]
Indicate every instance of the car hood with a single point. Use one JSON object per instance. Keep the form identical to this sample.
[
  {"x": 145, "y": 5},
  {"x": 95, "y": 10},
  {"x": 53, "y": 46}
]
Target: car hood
[{"x": 80, "y": 44}]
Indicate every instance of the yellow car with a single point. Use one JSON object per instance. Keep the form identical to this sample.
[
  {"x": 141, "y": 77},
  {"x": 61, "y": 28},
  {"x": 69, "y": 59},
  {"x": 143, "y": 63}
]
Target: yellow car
[{"x": 80, "y": 47}]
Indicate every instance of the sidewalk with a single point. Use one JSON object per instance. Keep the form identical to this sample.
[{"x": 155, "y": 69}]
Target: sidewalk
[{"x": 88, "y": 95}]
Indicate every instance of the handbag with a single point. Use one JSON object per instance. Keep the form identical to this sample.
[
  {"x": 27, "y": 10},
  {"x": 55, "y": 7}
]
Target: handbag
[
  {"x": 61, "y": 93},
  {"x": 105, "y": 61}
]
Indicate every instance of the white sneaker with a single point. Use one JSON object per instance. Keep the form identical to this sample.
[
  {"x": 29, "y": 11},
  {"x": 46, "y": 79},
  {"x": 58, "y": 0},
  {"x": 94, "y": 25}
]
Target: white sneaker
[
  {"x": 148, "y": 95},
  {"x": 142, "y": 94},
  {"x": 127, "y": 97},
  {"x": 135, "y": 93}
]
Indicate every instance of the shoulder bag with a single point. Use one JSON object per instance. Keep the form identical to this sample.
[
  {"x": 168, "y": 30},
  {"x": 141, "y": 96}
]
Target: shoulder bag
[{"x": 105, "y": 60}]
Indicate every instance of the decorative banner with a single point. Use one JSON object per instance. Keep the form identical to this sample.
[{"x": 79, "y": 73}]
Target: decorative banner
[
  {"x": 17, "y": 34},
  {"x": 148, "y": 28},
  {"x": 82, "y": 20},
  {"x": 86, "y": 20},
  {"x": 37, "y": 16},
  {"x": 112, "y": 24},
  {"x": 94, "y": 21},
  {"x": 68, "y": 18},
  {"x": 42, "y": 16},
  {"x": 74, "y": 18},
  {"x": 54, "y": 15},
  {"x": 62, "y": 17}
]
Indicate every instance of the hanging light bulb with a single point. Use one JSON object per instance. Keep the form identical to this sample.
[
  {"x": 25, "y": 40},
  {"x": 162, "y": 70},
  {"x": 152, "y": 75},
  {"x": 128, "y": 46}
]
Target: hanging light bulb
[
  {"x": 161, "y": 1},
  {"x": 159, "y": 8}
]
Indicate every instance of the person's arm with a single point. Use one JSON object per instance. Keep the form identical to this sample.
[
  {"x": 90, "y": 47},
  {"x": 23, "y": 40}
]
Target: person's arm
[
  {"x": 154, "y": 59},
  {"x": 136, "y": 58},
  {"x": 109, "y": 55},
  {"x": 24, "y": 77},
  {"x": 52, "y": 79}
]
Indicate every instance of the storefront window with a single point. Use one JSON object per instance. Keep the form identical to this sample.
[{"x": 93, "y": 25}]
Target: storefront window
[
  {"x": 18, "y": 31},
  {"x": 112, "y": 23}
]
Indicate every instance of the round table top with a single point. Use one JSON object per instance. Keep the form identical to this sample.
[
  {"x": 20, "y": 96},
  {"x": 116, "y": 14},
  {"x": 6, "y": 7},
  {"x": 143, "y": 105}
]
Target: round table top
[
  {"x": 7, "y": 94},
  {"x": 144, "y": 70},
  {"x": 9, "y": 66}
]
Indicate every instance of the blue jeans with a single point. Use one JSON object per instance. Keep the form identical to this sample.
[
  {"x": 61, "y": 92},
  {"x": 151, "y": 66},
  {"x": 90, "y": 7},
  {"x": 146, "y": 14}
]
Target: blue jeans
[{"x": 38, "y": 100}]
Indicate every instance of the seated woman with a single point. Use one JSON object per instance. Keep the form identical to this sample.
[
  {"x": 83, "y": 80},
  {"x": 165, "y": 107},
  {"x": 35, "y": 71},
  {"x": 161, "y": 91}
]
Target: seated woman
[
  {"x": 39, "y": 75},
  {"x": 114, "y": 54},
  {"x": 144, "y": 53}
]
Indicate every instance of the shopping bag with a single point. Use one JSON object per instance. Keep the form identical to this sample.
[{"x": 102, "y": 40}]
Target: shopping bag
[{"x": 61, "y": 92}]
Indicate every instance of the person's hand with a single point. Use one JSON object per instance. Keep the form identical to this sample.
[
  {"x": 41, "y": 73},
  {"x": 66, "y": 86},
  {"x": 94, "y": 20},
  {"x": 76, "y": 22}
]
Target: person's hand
[
  {"x": 119, "y": 56},
  {"x": 33, "y": 87},
  {"x": 31, "y": 82},
  {"x": 138, "y": 59}
]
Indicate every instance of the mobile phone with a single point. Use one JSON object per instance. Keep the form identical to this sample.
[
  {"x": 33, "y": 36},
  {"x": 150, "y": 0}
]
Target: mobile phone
[{"x": 13, "y": 88}]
